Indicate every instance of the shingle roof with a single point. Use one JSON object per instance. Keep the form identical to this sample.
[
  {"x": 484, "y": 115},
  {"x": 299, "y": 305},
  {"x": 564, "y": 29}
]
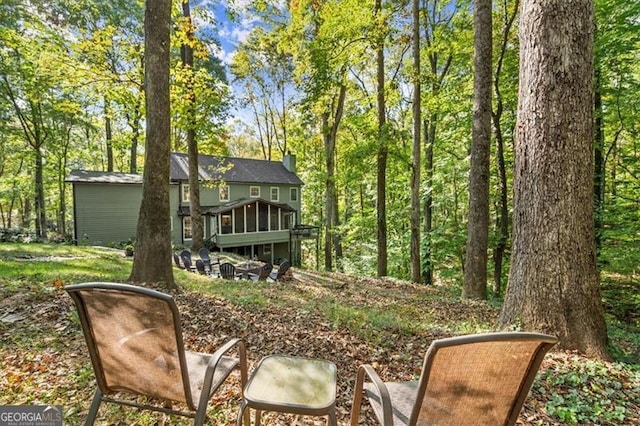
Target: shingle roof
[
  {"x": 227, "y": 169},
  {"x": 233, "y": 169},
  {"x": 87, "y": 176}
]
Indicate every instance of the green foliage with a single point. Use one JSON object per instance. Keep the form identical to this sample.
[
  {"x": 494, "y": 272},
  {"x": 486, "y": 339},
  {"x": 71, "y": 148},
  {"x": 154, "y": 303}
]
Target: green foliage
[{"x": 590, "y": 392}]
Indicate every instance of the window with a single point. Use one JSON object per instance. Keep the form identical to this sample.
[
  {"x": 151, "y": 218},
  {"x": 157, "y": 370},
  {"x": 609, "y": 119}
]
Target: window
[
  {"x": 254, "y": 191},
  {"x": 293, "y": 194},
  {"x": 275, "y": 193},
  {"x": 184, "y": 193},
  {"x": 186, "y": 228},
  {"x": 224, "y": 193},
  {"x": 226, "y": 224}
]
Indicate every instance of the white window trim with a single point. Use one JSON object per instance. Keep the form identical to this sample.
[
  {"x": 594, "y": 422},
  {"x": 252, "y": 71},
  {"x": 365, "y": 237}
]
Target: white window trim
[
  {"x": 184, "y": 189},
  {"x": 251, "y": 188},
  {"x": 277, "y": 193},
  {"x": 294, "y": 190},
  {"x": 184, "y": 237},
  {"x": 228, "y": 193}
]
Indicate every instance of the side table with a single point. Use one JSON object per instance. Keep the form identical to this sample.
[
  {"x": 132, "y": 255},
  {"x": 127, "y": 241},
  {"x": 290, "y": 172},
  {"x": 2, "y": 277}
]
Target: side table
[{"x": 293, "y": 385}]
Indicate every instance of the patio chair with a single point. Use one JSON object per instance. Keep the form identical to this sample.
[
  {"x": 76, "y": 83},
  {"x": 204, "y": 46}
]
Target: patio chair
[
  {"x": 135, "y": 344},
  {"x": 206, "y": 258},
  {"x": 228, "y": 271},
  {"x": 480, "y": 379},
  {"x": 200, "y": 267},
  {"x": 264, "y": 273},
  {"x": 176, "y": 260},
  {"x": 282, "y": 269}
]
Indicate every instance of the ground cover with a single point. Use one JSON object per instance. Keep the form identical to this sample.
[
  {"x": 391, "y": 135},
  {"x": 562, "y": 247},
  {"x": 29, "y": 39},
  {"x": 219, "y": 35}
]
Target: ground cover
[{"x": 347, "y": 320}]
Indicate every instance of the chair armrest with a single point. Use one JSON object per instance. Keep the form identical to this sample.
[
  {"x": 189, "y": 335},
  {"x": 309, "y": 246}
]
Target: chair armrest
[
  {"x": 370, "y": 373},
  {"x": 213, "y": 364}
]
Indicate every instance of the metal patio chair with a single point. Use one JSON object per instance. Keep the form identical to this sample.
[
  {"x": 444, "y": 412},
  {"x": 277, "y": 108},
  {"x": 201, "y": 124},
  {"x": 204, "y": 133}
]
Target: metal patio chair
[
  {"x": 479, "y": 379},
  {"x": 135, "y": 344}
]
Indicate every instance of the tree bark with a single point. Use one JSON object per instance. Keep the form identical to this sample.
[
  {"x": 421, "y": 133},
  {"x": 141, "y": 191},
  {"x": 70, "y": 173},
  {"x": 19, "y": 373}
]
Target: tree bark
[
  {"x": 429, "y": 140},
  {"x": 381, "y": 184},
  {"x": 152, "y": 262},
  {"x": 553, "y": 282},
  {"x": 416, "y": 275},
  {"x": 330, "y": 132},
  {"x": 502, "y": 210},
  {"x": 475, "y": 268},
  {"x": 197, "y": 228}
]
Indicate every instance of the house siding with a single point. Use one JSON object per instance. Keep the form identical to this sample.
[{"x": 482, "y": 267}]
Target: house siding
[
  {"x": 106, "y": 206},
  {"x": 106, "y": 213}
]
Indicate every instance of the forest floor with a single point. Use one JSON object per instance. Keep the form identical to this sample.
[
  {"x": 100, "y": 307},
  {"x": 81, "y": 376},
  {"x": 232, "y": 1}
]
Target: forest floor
[{"x": 349, "y": 321}]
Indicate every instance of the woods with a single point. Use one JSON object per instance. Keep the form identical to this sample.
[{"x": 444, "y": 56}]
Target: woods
[{"x": 410, "y": 170}]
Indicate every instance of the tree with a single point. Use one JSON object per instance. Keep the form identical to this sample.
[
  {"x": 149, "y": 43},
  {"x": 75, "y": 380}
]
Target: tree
[
  {"x": 197, "y": 228},
  {"x": 415, "y": 152},
  {"x": 553, "y": 282},
  {"x": 383, "y": 151},
  {"x": 152, "y": 262},
  {"x": 475, "y": 267},
  {"x": 502, "y": 209}
]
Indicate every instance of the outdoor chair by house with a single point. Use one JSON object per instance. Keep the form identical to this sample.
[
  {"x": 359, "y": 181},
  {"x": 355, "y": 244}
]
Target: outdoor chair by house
[
  {"x": 282, "y": 269},
  {"x": 186, "y": 261},
  {"x": 200, "y": 267},
  {"x": 477, "y": 379},
  {"x": 228, "y": 271},
  {"x": 206, "y": 258},
  {"x": 135, "y": 344},
  {"x": 186, "y": 254},
  {"x": 176, "y": 260},
  {"x": 264, "y": 273}
]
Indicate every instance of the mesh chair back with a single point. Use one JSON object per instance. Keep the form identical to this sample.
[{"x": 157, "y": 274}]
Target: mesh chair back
[
  {"x": 134, "y": 339},
  {"x": 474, "y": 379}
]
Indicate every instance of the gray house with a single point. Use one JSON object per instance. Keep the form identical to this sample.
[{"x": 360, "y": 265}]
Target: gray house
[{"x": 250, "y": 207}]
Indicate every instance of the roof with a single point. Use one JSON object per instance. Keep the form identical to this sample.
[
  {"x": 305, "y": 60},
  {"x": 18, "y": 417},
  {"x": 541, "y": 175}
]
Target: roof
[
  {"x": 211, "y": 210},
  {"x": 86, "y": 176},
  {"x": 233, "y": 169},
  {"x": 212, "y": 169}
]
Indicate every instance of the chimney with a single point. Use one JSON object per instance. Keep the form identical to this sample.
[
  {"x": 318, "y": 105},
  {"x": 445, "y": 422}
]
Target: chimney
[{"x": 289, "y": 162}]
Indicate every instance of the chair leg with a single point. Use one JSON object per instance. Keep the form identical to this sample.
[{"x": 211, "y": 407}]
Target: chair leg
[
  {"x": 93, "y": 410},
  {"x": 201, "y": 415}
]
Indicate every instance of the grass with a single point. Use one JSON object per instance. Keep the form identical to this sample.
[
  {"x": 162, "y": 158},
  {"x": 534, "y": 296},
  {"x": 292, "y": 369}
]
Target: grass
[{"x": 350, "y": 320}]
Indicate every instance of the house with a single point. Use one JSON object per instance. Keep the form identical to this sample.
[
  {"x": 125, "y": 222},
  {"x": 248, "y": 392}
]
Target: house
[{"x": 250, "y": 207}]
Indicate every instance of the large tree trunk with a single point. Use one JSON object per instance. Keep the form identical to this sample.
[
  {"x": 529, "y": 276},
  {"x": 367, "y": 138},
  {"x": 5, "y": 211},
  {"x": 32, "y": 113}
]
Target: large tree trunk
[
  {"x": 197, "y": 228},
  {"x": 475, "y": 267},
  {"x": 152, "y": 262},
  {"x": 553, "y": 282},
  {"x": 381, "y": 185},
  {"x": 416, "y": 149}
]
